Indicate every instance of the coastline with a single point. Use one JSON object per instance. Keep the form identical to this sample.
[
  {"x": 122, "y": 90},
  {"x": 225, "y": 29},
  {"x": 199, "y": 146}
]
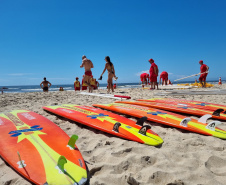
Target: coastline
[{"x": 184, "y": 158}]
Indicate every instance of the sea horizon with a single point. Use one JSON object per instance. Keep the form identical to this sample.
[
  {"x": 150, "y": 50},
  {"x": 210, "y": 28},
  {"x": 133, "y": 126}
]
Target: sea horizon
[{"x": 70, "y": 87}]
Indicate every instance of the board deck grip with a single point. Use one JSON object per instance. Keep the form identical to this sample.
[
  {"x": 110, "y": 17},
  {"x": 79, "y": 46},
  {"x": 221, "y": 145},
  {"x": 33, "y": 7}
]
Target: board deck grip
[
  {"x": 141, "y": 121},
  {"x": 204, "y": 118},
  {"x": 185, "y": 121},
  {"x": 144, "y": 129},
  {"x": 116, "y": 127},
  {"x": 72, "y": 141},
  {"x": 212, "y": 125},
  {"x": 217, "y": 112}
]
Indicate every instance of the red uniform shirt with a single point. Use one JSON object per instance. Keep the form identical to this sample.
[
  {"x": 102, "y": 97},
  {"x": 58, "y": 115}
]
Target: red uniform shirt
[
  {"x": 203, "y": 68},
  {"x": 164, "y": 75},
  {"x": 152, "y": 71}
]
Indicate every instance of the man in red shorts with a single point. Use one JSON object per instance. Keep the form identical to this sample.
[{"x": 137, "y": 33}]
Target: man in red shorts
[
  {"x": 87, "y": 64},
  {"x": 153, "y": 74},
  {"x": 144, "y": 77},
  {"x": 204, "y": 70},
  {"x": 164, "y": 78}
]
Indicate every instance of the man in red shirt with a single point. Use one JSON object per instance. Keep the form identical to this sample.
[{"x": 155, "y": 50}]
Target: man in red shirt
[
  {"x": 144, "y": 77},
  {"x": 164, "y": 77},
  {"x": 204, "y": 70},
  {"x": 153, "y": 73}
]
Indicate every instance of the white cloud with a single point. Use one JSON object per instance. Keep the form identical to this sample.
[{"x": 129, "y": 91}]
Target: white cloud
[
  {"x": 19, "y": 74},
  {"x": 139, "y": 73}
]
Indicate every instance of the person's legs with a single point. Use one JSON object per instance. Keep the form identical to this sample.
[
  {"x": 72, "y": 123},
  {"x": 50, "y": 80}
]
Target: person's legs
[{"x": 110, "y": 82}]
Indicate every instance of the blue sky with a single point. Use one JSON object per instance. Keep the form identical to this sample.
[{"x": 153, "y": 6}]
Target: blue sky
[{"x": 48, "y": 38}]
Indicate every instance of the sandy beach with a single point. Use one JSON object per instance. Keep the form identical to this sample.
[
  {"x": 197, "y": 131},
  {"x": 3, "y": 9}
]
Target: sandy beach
[{"x": 185, "y": 158}]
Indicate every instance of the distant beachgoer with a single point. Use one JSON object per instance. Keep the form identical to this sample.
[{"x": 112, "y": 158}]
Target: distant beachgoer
[
  {"x": 61, "y": 89},
  {"x": 203, "y": 69},
  {"x": 164, "y": 78},
  {"x": 77, "y": 84},
  {"x": 153, "y": 74},
  {"x": 45, "y": 85},
  {"x": 93, "y": 82},
  {"x": 144, "y": 77},
  {"x": 196, "y": 81},
  {"x": 111, "y": 73},
  {"x": 87, "y": 64},
  {"x": 115, "y": 86}
]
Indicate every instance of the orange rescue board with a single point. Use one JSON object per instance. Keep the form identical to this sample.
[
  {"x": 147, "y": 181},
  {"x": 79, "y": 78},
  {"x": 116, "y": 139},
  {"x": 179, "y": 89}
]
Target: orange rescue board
[
  {"x": 196, "y": 104},
  {"x": 217, "y": 114},
  {"x": 107, "y": 122},
  {"x": 167, "y": 118},
  {"x": 39, "y": 150}
]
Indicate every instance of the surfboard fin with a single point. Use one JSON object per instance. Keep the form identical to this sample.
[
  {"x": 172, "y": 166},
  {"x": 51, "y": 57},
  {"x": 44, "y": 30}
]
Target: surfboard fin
[
  {"x": 141, "y": 121},
  {"x": 61, "y": 162},
  {"x": 116, "y": 127},
  {"x": 204, "y": 118},
  {"x": 217, "y": 112},
  {"x": 185, "y": 121},
  {"x": 144, "y": 129},
  {"x": 72, "y": 141},
  {"x": 212, "y": 125}
]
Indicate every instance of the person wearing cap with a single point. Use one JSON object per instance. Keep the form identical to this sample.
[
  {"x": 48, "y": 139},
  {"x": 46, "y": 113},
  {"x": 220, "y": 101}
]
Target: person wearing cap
[
  {"x": 153, "y": 74},
  {"x": 204, "y": 72},
  {"x": 77, "y": 84},
  {"x": 144, "y": 77},
  {"x": 87, "y": 64},
  {"x": 164, "y": 78}
]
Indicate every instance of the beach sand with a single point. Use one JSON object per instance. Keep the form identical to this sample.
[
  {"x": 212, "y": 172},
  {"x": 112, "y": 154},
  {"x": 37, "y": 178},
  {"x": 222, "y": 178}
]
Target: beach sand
[{"x": 185, "y": 158}]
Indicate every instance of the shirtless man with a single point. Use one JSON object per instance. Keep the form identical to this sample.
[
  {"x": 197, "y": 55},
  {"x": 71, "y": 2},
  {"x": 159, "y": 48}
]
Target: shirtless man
[
  {"x": 87, "y": 64},
  {"x": 45, "y": 85}
]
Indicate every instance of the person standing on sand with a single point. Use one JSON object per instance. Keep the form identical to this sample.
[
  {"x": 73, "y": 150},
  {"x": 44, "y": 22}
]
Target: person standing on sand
[
  {"x": 87, "y": 64},
  {"x": 111, "y": 73},
  {"x": 77, "y": 84},
  {"x": 164, "y": 78},
  {"x": 153, "y": 74},
  {"x": 203, "y": 69},
  {"x": 45, "y": 85}
]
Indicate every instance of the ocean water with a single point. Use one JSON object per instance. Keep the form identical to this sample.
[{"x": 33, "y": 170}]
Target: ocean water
[
  {"x": 67, "y": 87},
  {"x": 70, "y": 87}
]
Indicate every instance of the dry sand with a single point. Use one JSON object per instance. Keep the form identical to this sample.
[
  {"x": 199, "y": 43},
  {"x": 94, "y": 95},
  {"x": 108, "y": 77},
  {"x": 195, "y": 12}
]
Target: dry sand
[{"x": 185, "y": 158}]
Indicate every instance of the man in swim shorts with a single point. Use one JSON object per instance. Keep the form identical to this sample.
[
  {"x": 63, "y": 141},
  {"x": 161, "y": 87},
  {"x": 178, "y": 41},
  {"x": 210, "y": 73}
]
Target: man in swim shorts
[
  {"x": 45, "y": 85},
  {"x": 163, "y": 77},
  {"x": 87, "y": 64},
  {"x": 204, "y": 70},
  {"x": 153, "y": 73}
]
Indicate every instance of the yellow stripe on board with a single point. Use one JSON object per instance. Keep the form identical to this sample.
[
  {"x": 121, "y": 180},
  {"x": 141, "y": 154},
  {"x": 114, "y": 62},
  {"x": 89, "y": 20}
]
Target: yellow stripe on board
[{"x": 50, "y": 157}]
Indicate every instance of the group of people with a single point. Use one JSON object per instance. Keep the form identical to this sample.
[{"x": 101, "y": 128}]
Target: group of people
[
  {"x": 92, "y": 83},
  {"x": 88, "y": 80},
  {"x": 164, "y": 80},
  {"x": 88, "y": 65}
]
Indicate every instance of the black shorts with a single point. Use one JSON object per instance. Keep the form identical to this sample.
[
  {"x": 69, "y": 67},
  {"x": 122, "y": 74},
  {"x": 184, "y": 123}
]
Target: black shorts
[{"x": 45, "y": 88}]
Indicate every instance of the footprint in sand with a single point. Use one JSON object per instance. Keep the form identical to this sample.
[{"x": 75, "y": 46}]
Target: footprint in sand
[
  {"x": 121, "y": 153},
  {"x": 216, "y": 165}
]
